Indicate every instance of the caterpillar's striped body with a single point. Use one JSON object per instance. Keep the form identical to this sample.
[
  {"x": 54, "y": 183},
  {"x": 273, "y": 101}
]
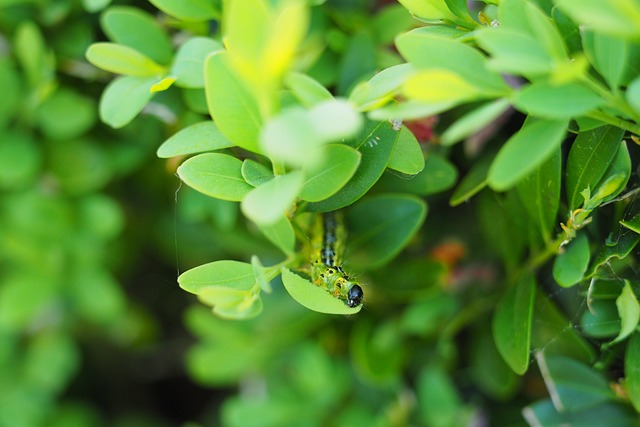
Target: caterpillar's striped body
[{"x": 327, "y": 249}]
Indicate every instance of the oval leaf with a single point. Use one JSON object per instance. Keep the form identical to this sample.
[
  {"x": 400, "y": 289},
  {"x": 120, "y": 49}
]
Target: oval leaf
[
  {"x": 197, "y": 138},
  {"x": 525, "y": 151},
  {"x": 381, "y": 226},
  {"x": 512, "y": 324},
  {"x": 569, "y": 267},
  {"x": 124, "y": 98},
  {"x": 216, "y": 175},
  {"x": 314, "y": 297},
  {"x": 324, "y": 179},
  {"x": 120, "y": 59},
  {"x": 233, "y": 275},
  {"x": 556, "y": 101}
]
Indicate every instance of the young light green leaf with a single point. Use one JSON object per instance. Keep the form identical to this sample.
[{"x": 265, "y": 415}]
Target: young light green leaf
[
  {"x": 432, "y": 11},
  {"x": 314, "y": 297},
  {"x": 232, "y": 106},
  {"x": 569, "y": 267},
  {"x": 121, "y": 59},
  {"x": 216, "y": 175},
  {"x": 474, "y": 121},
  {"x": 124, "y": 98},
  {"x": 267, "y": 203},
  {"x": 407, "y": 156},
  {"x": 281, "y": 234},
  {"x": 632, "y": 224},
  {"x": 138, "y": 30},
  {"x": 540, "y": 194},
  {"x": 307, "y": 90},
  {"x": 512, "y": 323},
  {"x": 533, "y": 144},
  {"x": 438, "y": 85},
  {"x": 188, "y": 10},
  {"x": 376, "y": 143},
  {"x": 426, "y": 51},
  {"x": 197, "y": 138},
  {"x": 545, "y": 31},
  {"x": 550, "y": 101},
  {"x": 573, "y": 385},
  {"x": 324, "y": 179},
  {"x": 629, "y": 312},
  {"x": 381, "y": 88},
  {"x": 381, "y": 226},
  {"x": 260, "y": 272},
  {"x": 632, "y": 370},
  {"x": 615, "y": 178},
  {"x": 188, "y": 66},
  {"x": 589, "y": 158},
  {"x": 255, "y": 173}
]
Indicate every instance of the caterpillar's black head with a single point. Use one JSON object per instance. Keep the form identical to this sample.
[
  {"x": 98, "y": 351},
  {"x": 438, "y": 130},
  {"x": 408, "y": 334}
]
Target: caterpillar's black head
[{"x": 355, "y": 295}]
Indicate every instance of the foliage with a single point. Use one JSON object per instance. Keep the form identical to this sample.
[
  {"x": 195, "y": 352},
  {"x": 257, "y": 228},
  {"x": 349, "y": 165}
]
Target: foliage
[{"x": 276, "y": 111}]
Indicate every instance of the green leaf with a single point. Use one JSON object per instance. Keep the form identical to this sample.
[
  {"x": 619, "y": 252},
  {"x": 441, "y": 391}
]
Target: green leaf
[
  {"x": 188, "y": 66},
  {"x": 431, "y": 11},
  {"x": 410, "y": 110},
  {"x": 124, "y": 98},
  {"x": 66, "y": 115},
  {"x": 512, "y": 323},
  {"x": 231, "y": 105},
  {"x": 540, "y": 194},
  {"x": 228, "y": 286},
  {"x": 515, "y": 52},
  {"x": 616, "y": 177},
  {"x": 138, "y": 30},
  {"x": 314, "y": 297},
  {"x": 359, "y": 61},
  {"x": 437, "y": 176},
  {"x": 216, "y": 175},
  {"x": 570, "y": 266},
  {"x": 533, "y": 144},
  {"x": 32, "y": 54},
  {"x": 618, "y": 246},
  {"x": 306, "y": 90},
  {"x": 255, "y": 173},
  {"x": 553, "y": 333},
  {"x": 473, "y": 182},
  {"x": 426, "y": 51},
  {"x": 197, "y": 138},
  {"x": 437, "y": 85},
  {"x": 615, "y": 17},
  {"x": 601, "y": 321},
  {"x": 632, "y": 370},
  {"x": 407, "y": 155},
  {"x": 444, "y": 408},
  {"x": 632, "y": 224},
  {"x": 324, "y": 179},
  {"x": 121, "y": 59},
  {"x": 608, "y": 55},
  {"x": 376, "y": 143},
  {"x": 633, "y": 94},
  {"x": 556, "y": 101},
  {"x": 267, "y": 203},
  {"x": 629, "y": 312},
  {"x": 575, "y": 385},
  {"x": 260, "y": 272},
  {"x": 381, "y": 88},
  {"x": 607, "y": 414},
  {"x": 20, "y": 160},
  {"x": 188, "y": 10},
  {"x": 474, "y": 121},
  {"x": 281, "y": 234},
  {"x": 545, "y": 31},
  {"x": 381, "y": 226},
  {"x": 589, "y": 158},
  {"x": 296, "y": 135}
]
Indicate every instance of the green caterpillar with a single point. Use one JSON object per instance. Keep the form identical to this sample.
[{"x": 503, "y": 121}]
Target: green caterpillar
[{"x": 327, "y": 249}]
